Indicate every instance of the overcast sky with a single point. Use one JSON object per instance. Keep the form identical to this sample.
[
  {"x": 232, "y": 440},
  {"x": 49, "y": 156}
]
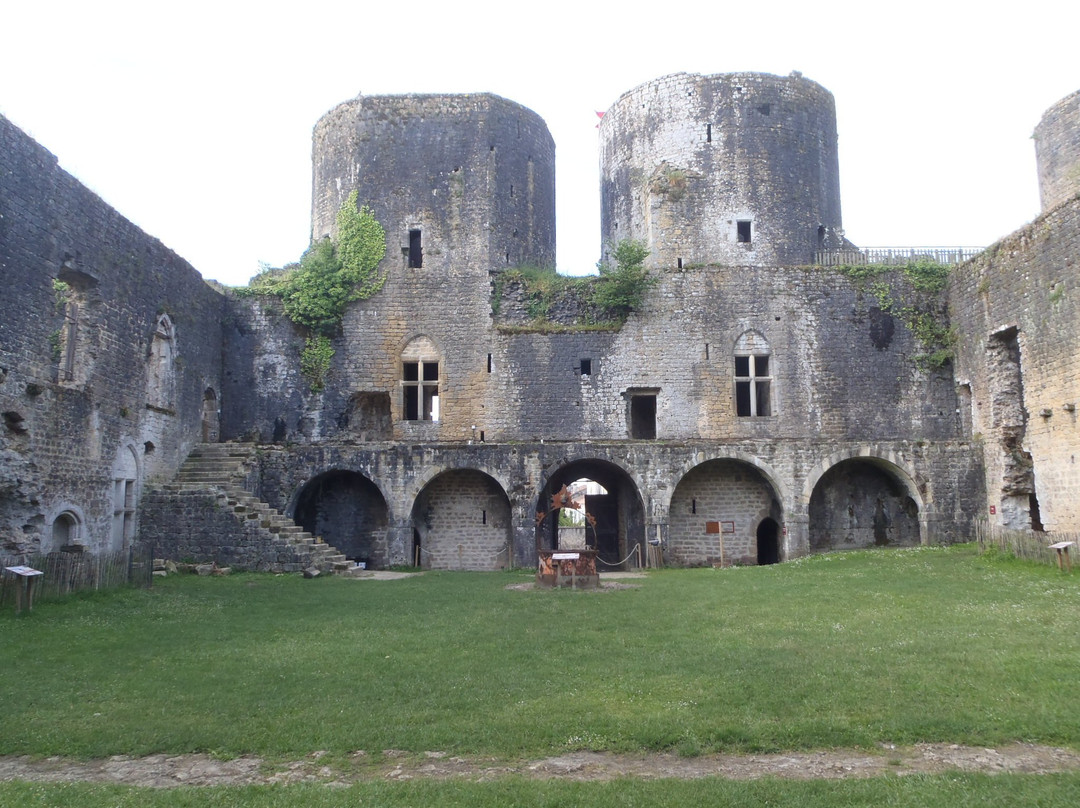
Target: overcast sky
[{"x": 194, "y": 119}]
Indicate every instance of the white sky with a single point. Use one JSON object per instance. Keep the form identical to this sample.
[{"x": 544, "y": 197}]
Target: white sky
[{"x": 194, "y": 120}]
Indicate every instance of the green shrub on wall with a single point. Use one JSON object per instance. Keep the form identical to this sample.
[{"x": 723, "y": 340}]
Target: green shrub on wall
[{"x": 331, "y": 274}]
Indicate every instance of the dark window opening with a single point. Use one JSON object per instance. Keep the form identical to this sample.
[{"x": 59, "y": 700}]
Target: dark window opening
[
  {"x": 708, "y": 133},
  {"x": 508, "y": 258},
  {"x": 680, "y": 263},
  {"x": 765, "y": 109},
  {"x": 586, "y": 367},
  {"x": 821, "y": 236},
  {"x": 416, "y": 252},
  {"x": 420, "y": 386},
  {"x": 483, "y": 517},
  {"x": 481, "y": 436},
  {"x": 489, "y": 364},
  {"x": 643, "y": 417},
  {"x": 753, "y": 386},
  {"x": 148, "y": 447},
  {"x": 706, "y": 351},
  {"x": 743, "y": 231},
  {"x": 71, "y": 331},
  {"x": 511, "y": 191},
  {"x": 693, "y": 506}
]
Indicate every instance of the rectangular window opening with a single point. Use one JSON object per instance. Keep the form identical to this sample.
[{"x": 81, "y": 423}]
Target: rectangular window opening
[
  {"x": 481, "y": 436},
  {"x": 586, "y": 367},
  {"x": 753, "y": 386},
  {"x": 708, "y": 133},
  {"x": 489, "y": 364},
  {"x": 643, "y": 417},
  {"x": 416, "y": 252},
  {"x": 743, "y": 231},
  {"x": 483, "y": 517},
  {"x": 680, "y": 263}
]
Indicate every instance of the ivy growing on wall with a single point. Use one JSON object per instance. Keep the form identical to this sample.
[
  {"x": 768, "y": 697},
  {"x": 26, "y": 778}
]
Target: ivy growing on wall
[
  {"x": 330, "y": 275},
  {"x": 603, "y": 301},
  {"x": 922, "y": 318}
]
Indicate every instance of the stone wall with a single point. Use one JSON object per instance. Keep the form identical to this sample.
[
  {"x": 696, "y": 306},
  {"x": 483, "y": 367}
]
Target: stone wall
[
  {"x": 1017, "y": 310},
  {"x": 1057, "y": 152},
  {"x": 193, "y": 526},
  {"x": 103, "y": 378},
  {"x": 839, "y": 366},
  {"x": 685, "y": 158}
]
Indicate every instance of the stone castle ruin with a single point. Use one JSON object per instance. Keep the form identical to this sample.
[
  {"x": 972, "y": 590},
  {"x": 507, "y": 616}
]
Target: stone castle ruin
[{"x": 773, "y": 395}]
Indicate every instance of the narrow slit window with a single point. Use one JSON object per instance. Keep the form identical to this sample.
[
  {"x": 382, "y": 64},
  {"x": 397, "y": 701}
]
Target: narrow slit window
[
  {"x": 708, "y": 133},
  {"x": 489, "y": 363},
  {"x": 416, "y": 250}
]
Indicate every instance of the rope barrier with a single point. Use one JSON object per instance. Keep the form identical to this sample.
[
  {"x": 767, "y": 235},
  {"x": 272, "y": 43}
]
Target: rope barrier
[{"x": 618, "y": 563}]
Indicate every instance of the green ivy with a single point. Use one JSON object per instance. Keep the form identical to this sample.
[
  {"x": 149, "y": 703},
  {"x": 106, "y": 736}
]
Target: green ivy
[
  {"x": 315, "y": 361},
  {"x": 61, "y": 292},
  {"x": 622, "y": 288},
  {"x": 331, "y": 274},
  {"x": 928, "y": 279},
  {"x": 605, "y": 299}
]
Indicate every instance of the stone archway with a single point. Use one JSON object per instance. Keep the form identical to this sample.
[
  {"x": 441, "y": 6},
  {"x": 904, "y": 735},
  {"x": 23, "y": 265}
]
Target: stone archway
[
  {"x": 349, "y": 512},
  {"x": 716, "y": 512},
  {"x": 619, "y": 513},
  {"x": 461, "y": 521},
  {"x": 862, "y": 502}
]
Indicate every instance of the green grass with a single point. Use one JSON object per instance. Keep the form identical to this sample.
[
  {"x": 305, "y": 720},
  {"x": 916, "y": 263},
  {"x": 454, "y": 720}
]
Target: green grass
[
  {"x": 843, "y": 650},
  {"x": 913, "y": 791}
]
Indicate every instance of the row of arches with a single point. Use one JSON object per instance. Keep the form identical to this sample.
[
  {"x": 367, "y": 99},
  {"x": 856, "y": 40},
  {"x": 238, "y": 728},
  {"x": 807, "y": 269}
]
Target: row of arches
[{"x": 721, "y": 511}]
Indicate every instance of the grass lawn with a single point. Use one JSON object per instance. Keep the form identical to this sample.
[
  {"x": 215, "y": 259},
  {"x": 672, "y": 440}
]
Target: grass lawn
[{"x": 853, "y": 650}]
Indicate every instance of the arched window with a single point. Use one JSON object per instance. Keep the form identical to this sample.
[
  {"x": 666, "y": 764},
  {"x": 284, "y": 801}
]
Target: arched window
[
  {"x": 66, "y": 533},
  {"x": 161, "y": 382},
  {"x": 124, "y": 497},
  {"x": 753, "y": 376},
  {"x": 420, "y": 381}
]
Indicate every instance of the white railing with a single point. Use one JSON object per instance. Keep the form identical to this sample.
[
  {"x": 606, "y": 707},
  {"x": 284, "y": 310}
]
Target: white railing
[{"x": 895, "y": 255}]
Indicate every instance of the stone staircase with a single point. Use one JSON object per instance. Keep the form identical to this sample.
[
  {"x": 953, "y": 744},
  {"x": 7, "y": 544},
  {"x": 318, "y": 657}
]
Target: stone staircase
[{"x": 220, "y": 468}]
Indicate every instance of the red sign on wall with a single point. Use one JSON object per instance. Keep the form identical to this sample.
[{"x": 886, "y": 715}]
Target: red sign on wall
[{"x": 993, "y": 509}]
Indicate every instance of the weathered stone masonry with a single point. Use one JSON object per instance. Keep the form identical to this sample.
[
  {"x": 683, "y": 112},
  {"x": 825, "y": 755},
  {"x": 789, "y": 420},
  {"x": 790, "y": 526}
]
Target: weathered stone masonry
[{"x": 756, "y": 408}]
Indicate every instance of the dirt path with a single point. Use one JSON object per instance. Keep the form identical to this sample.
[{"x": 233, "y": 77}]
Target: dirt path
[{"x": 165, "y": 771}]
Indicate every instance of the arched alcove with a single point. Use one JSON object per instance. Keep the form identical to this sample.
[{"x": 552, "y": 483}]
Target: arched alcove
[
  {"x": 461, "y": 521},
  {"x": 862, "y": 502},
  {"x": 349, "y": 512}
]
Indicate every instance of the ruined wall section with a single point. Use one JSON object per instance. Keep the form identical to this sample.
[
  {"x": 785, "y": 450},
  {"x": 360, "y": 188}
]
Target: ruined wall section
[
  {"x": 90, "y": 392},
  {"x": 1057, "y": 152},
  {"x": 1017, "y": 309},
  {"x": 685, "y": 158},
  {"x": 839, "y": 366}
]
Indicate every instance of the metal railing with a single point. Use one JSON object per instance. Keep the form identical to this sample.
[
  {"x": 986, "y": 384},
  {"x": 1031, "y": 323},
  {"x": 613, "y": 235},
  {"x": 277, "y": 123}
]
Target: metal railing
[{"x": 894, "y": 255}]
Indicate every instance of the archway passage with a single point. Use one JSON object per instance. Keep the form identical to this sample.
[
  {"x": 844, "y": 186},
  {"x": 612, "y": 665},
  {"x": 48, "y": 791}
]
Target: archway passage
[
  {"x": 619, "y": 513},
  {"x": 461, "y": 521},
  {"x": 717, "y": 511},
  {"x": 349, "y": 512},
  {"x": 862, "y": 502},
  {"x": 768, "y": 542}
]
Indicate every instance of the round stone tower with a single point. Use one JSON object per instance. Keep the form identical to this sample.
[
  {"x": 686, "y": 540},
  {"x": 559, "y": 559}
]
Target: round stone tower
[
  {"x": 736, "y": 169},
  {"x": 461, "y": 183},
  {"x": 1057, "y": 152}
]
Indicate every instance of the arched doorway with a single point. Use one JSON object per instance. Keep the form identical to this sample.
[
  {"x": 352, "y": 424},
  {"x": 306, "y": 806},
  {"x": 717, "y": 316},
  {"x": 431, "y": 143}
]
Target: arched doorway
[
  {"x": 349, "y": 512},
  {"x": 210, "y": 428},
  {"x": 862, "y": 502},
  {"x": 461, "y": 521},
  {"x": 717, "y": 512},
  {"x": 618, "y": 512},
  {"x": 768, "y": 541}
]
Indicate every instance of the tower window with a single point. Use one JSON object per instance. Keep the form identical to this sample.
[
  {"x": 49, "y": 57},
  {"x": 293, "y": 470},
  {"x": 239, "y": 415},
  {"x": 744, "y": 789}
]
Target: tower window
[
  {"x": 742, "y": 231},
  {"x": 416, "y": 252}
]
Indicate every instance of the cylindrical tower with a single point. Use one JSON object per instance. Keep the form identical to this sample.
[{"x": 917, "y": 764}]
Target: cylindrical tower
[
  {"x": 735, "y": 169},
  {"x": 462, "y": 183},
  {"x": 1057, "y": 152}
]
